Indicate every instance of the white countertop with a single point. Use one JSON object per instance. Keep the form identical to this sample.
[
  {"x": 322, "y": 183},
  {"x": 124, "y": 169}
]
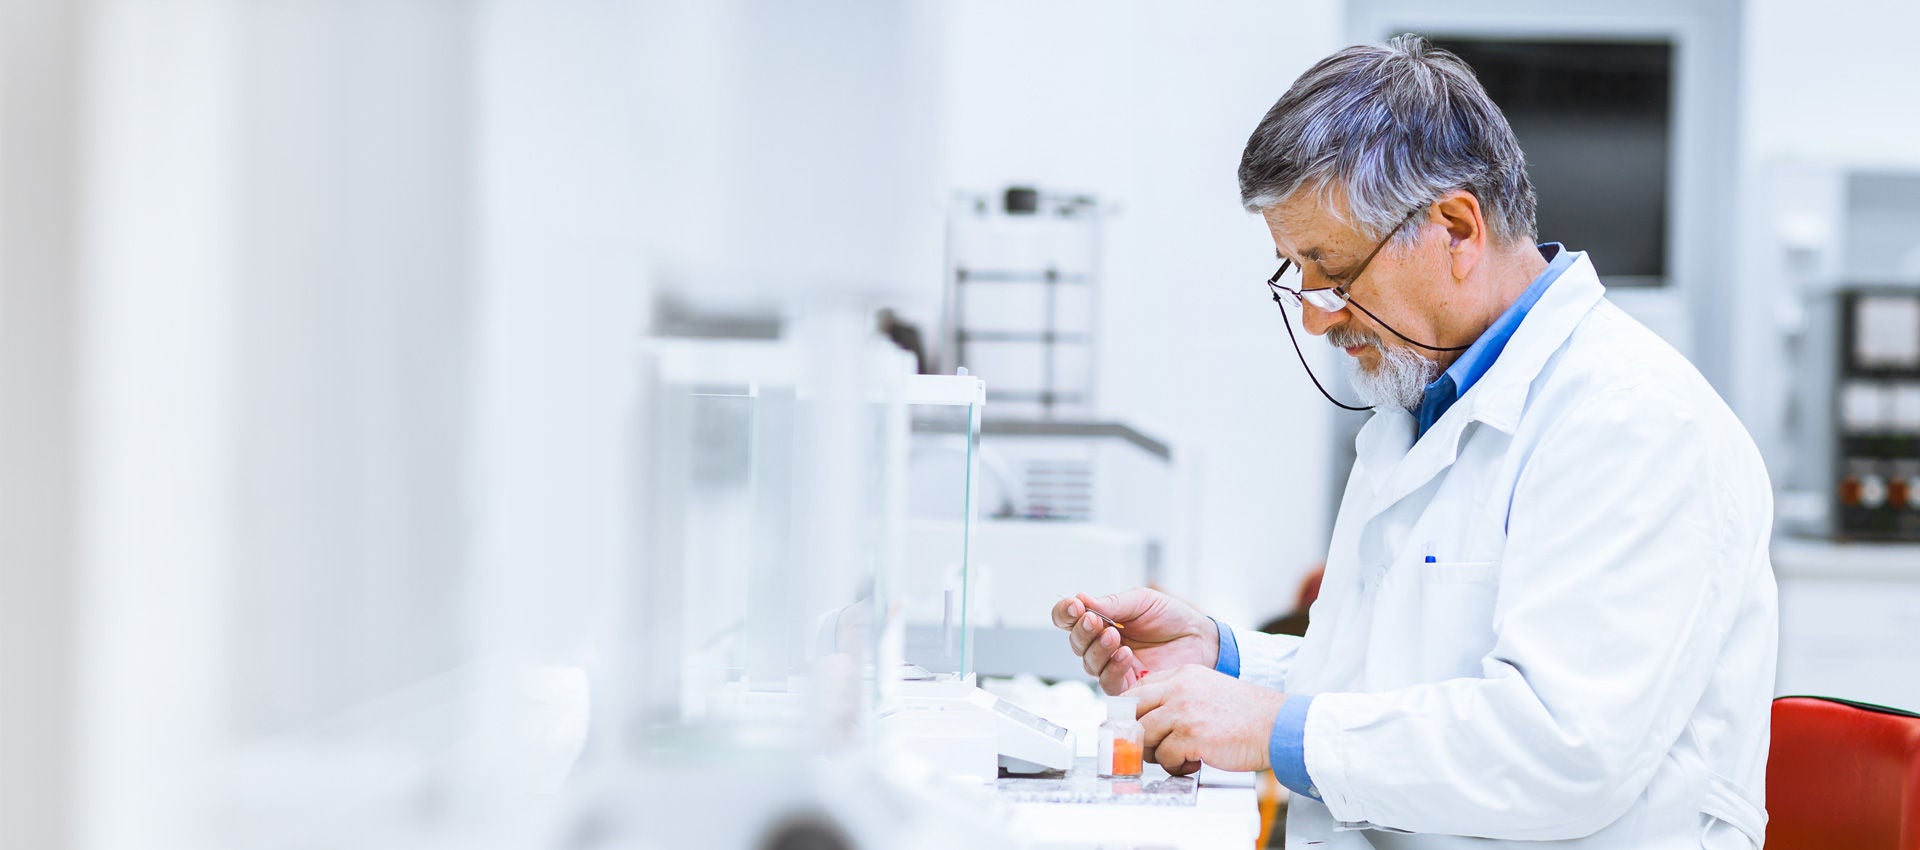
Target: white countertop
[{"x": 1805, "y": 557}]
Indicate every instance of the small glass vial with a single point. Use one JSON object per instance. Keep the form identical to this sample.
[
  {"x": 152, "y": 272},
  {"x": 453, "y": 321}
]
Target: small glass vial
[{"x": 1122, "y": 739}]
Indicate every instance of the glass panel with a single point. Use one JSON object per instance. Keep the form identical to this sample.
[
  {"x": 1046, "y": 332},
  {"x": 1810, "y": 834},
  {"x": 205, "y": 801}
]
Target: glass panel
[{"x": 937, "y": 590}]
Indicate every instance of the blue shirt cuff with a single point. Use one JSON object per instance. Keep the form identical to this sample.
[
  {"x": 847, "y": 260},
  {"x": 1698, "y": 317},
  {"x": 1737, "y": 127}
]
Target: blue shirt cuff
[
  {"x": 1287, "y": 750},
  {"x": 1229, "y": 658}
]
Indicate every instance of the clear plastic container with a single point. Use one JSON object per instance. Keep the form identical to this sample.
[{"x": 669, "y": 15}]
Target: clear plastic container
[{"x": 1122, "y": 739}]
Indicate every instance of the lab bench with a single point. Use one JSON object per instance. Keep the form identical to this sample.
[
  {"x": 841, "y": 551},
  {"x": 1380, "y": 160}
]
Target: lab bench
[{"x": 1224, "y": 814}]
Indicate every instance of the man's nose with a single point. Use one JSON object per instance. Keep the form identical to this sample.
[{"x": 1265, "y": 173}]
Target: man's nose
[{"x": 1318, "y": 321}]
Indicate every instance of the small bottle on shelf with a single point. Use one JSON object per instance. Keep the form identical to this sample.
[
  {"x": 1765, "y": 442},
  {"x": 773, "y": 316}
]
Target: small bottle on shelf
[{"x": 1122, "y": 739}]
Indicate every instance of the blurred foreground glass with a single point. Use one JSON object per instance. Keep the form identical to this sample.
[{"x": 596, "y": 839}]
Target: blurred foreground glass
[
  {"x": 803, "y": 501},
  {"x": 767, "y": 536}
]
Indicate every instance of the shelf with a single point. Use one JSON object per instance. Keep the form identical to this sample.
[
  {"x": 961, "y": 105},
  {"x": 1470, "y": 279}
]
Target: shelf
[
  {"x": 1036, "y": 396},
  {"x": 1025, "y": 336},
  {"x": 1076, "y": 428},
  {"x": 1010, "y": 276}
]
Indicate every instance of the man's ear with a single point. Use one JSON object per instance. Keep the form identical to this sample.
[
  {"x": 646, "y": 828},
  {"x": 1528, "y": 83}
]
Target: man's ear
[{"x": 1459, "y": 212}]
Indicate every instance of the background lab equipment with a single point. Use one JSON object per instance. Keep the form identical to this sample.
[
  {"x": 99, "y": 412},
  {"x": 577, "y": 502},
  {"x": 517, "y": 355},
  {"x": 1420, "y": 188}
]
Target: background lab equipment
[
  {"x": 1865, "y": 343},
  {"x": 811, "y": 504},
  {"x": 1022, "y": 297},
  {"x": 1071, "y": 496},
  {"x": 1845, "y": 274},
  {"x": 1851, "y": 263}
]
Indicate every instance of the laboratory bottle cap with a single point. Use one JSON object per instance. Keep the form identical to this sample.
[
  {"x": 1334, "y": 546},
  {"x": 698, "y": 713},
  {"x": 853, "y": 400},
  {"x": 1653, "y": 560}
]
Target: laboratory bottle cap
[{"x": 1122, "y": 708}]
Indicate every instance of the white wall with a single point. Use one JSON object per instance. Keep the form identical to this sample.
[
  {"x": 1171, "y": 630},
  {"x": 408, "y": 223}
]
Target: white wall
[
  {"x": 1825, "y": 80},
  {"x": 789, "y": 149},
  {"x": 159, "y": 383},
  {"x": 354, "y": 308},
  {"x": 1148, "y": 106},
  {"x": 560, "y": 307}
]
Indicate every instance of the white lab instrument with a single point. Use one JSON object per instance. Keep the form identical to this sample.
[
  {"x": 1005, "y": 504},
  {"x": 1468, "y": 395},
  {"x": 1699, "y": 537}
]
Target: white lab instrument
[
  {"x": 1840, "y": 354},
  {"x": 966, "y": 732},
  {"x": 935, "y": 711},
  {"x": 1859, "y": 412},
  {"x": 1588, "y": 656}
]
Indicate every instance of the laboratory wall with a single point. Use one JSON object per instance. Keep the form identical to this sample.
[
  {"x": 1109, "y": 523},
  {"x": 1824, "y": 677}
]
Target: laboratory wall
[
  {"x": 156, "y": 629},
  {"x": 792, "y": 149},
  {"x": 1825, "y": 81}
]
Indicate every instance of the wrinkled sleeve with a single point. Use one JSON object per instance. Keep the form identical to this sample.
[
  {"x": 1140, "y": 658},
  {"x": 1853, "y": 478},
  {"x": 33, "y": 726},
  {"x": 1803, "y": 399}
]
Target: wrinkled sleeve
[{"x": 1260, "y": 658}]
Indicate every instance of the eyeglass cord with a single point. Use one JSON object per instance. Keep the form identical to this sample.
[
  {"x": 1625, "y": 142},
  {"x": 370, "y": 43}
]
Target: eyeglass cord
[
  {"x": 1303, "y": 358},
  {"x": 1410, "y": 341}
]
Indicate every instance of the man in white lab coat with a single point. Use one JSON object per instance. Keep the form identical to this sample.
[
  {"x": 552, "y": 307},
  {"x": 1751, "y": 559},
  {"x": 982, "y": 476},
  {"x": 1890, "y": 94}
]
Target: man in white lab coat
[{"x": 1548, "y": 613}]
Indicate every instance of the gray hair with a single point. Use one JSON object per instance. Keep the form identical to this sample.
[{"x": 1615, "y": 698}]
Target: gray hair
[{"x": 1394, "y": 128}]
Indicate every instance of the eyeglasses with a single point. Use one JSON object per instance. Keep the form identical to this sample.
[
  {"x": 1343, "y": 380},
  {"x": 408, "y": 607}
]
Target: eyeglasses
[{"x": 1333, "y": 299}]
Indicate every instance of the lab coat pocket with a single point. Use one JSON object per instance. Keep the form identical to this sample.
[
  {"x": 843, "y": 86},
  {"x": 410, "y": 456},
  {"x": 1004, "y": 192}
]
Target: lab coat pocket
[
  {"x": 1457, "y": 600},
  {"x": 1461, "y": 572}
]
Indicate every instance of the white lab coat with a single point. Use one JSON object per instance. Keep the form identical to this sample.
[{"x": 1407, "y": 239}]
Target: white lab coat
[{"x": 1590, "y": 660}]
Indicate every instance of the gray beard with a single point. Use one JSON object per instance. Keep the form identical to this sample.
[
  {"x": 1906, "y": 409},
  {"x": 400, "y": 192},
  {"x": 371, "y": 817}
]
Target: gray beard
[{"x": 1401, "y": 379}]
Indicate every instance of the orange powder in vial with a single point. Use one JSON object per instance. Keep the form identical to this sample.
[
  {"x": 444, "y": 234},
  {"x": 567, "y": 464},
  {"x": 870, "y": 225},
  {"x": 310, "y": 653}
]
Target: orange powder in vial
[{"x": 1126, "y": 758}]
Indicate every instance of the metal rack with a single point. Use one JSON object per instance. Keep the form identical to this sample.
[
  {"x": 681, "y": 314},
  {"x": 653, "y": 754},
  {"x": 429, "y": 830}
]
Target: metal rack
[{"x": 1021, "y": 298}]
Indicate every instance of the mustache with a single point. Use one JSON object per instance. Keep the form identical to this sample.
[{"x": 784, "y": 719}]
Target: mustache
[{"x": 1346, "y": 337}]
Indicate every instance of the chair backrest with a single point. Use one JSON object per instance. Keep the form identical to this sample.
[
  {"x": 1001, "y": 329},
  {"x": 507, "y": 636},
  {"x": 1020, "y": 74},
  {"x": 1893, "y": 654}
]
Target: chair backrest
[{"x": 1843, "y": 774}]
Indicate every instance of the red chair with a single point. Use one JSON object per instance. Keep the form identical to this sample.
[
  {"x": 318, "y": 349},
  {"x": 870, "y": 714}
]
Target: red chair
[{"x": 1843, "y": 775}]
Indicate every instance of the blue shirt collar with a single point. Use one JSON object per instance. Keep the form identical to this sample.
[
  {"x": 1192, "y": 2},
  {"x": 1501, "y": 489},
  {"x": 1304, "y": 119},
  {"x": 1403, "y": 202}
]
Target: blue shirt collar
[{"x": 1479, "y": 357}]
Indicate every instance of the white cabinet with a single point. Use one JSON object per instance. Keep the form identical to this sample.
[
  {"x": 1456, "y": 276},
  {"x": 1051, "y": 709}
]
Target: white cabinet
[{"x": 1849, "y": 620}]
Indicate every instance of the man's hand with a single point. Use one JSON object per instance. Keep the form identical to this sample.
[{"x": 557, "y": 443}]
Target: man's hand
[
  {"x": 1161, "y": 633},
  {"x": 1196, "y": 714}
]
